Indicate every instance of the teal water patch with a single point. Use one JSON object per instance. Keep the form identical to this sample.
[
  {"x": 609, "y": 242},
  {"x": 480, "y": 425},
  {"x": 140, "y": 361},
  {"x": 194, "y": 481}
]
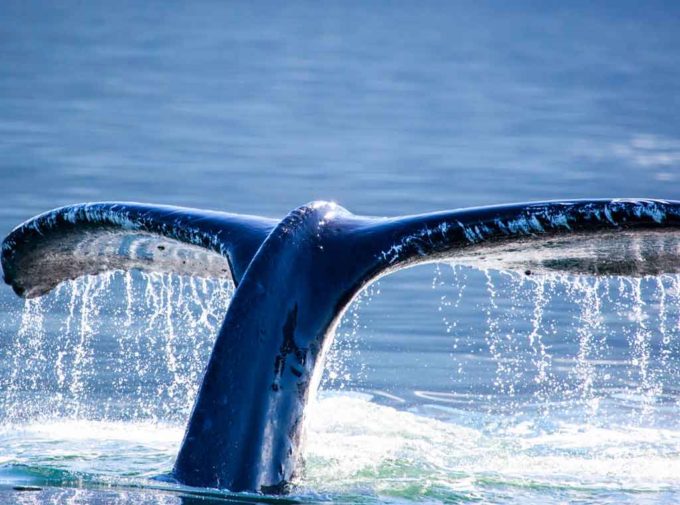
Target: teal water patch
[{"x": 359, "y": 451}]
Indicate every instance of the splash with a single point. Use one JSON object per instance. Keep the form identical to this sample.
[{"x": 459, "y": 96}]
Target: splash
[
  {"x": 358, "y": 446},
  {"x": 121, "y": 346},
  {"x": 340, "y": 371},
  {"x": 565, "y": 342}
]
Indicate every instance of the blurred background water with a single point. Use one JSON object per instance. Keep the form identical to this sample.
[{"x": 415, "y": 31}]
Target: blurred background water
[{"x": 446, "y": 384}]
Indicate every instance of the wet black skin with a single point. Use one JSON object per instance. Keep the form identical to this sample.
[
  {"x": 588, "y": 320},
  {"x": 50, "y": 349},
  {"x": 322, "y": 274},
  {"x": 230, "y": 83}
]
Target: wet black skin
[{"x": 295, "y": 278}]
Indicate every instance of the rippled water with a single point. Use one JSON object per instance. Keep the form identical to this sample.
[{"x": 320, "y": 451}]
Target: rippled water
[{"x": 445, "y": 383}]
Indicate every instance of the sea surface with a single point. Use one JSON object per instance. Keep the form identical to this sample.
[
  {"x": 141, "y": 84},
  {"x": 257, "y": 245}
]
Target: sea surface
[{"x": 445, "y": 384}]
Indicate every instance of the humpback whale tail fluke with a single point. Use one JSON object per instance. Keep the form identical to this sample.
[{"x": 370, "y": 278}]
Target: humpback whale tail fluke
[
  {"x": 595, "y": 237},
  {"x": 92, "y": 238},
  {"x": 296, "y": 277}
]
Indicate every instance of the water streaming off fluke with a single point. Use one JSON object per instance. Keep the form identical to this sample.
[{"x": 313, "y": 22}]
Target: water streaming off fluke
[
  {"x": 121, "y": 346},
  {"x": 547, "y": 374}
]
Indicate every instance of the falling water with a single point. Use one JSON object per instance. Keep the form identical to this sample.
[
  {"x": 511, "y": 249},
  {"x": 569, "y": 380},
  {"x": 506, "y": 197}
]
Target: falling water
[
  {"x": 339, "y": 371},
  {"x": 555, "y": 341},
  {"x": 540, "y": 376},
  {"x": 151, "y": 333},
  {"x": 131, "y": 346}
]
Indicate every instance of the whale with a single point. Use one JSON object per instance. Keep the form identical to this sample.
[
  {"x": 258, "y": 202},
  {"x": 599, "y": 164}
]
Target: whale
[{"x": 294, "y": 278}]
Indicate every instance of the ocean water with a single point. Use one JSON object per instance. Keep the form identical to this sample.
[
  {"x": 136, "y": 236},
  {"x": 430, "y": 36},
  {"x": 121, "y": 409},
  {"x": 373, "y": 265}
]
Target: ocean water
[{"x": 445, "y": 384}]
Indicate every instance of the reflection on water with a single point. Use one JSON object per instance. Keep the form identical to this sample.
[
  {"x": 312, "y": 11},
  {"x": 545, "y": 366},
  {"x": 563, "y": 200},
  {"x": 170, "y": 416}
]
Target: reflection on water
[{"x": 483, "y": 386}]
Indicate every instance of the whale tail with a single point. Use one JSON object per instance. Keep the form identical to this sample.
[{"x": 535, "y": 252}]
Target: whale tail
[
  {"x": 92, "y": 238},
  {"x": 590, "y": 237},
  {"x": 295, "y": 279}
]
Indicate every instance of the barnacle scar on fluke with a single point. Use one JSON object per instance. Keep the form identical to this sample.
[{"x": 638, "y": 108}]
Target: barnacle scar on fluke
[{"x": 295, "y": 277}]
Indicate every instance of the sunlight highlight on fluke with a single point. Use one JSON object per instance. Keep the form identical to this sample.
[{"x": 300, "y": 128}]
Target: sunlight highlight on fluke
[{"x": 294, "y": 279}]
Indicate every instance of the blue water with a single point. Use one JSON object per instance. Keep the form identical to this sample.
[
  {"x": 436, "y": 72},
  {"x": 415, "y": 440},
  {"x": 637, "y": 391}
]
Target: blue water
[{"x": 445, "y": 384}]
